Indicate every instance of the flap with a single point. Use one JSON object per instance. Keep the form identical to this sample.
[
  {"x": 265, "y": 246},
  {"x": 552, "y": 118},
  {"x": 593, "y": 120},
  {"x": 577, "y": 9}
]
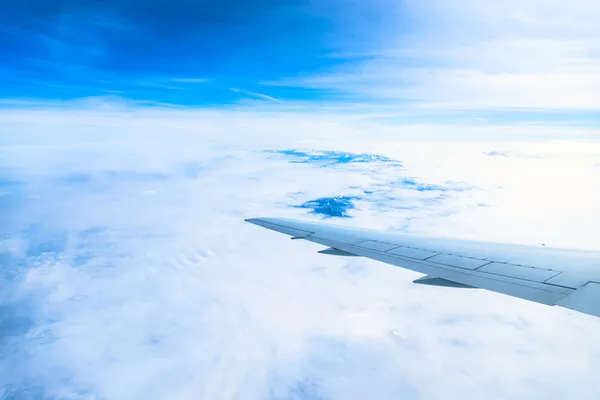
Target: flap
[{"x": 435, "y": 281}]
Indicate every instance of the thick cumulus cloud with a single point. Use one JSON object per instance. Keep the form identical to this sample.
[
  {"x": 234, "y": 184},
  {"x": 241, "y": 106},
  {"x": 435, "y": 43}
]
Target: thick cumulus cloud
[{"x": 128, "y": 272}]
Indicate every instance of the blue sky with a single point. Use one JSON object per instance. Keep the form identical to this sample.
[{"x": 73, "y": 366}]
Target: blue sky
[
  {"x": 427, "y": 61},
  {"x": 181, "y": 51}
]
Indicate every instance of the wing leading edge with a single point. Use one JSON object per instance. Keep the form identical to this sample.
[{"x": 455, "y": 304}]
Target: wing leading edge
[{"x": 568, "y": 278}]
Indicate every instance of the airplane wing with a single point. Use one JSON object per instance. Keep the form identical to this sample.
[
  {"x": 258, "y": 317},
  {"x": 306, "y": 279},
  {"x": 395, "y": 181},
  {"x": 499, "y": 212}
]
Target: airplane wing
[{"x": 567, "y": 278}]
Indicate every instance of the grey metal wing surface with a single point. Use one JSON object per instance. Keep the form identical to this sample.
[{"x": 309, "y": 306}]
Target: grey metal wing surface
[{"x": 567, "y": 278}]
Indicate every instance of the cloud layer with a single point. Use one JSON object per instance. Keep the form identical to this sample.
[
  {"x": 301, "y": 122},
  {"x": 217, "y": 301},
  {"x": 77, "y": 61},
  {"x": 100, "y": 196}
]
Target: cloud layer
[{"x": 128, "y": 271}]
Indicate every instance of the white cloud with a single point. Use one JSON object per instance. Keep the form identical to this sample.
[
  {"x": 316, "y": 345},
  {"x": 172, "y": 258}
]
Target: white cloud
[
  {"x": 468, "y": 55},
  {"x": 133, "y": 275},
  {"x": 260, "y": 96}
]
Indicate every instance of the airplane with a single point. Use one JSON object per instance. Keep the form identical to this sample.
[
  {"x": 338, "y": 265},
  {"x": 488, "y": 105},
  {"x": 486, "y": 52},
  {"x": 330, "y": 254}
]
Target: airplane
[{"x": 551, "y": 276}]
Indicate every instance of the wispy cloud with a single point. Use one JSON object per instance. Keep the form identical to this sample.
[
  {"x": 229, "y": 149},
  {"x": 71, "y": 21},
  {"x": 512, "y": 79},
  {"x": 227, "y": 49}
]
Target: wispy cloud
[
  {"x": 516, "y": 56},
  {"x": 261, "y": 96}
]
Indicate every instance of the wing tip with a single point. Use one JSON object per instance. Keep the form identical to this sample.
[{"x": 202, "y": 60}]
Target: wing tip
[
  {"x": 282, "y": 225},
  {"x": 266, "y": 220},
  {"x": 269, "y": 223},
  {"x": 255, "y": 221}
]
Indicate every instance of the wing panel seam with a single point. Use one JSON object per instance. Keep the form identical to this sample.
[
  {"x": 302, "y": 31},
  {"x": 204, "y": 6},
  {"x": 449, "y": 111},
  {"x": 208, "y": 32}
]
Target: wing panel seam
[{"x": 449, "y": 268}]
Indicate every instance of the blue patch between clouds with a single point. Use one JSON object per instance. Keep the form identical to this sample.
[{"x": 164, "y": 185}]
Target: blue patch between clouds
[
  {"x": 331, "y": 206},
  {"x": 305, "y": 389},
  {"x": 333, "y": 157},
  {"x": 8, "y": 184},
  {"x": 323, "y": 370},
  {"x": 111, "y": 177},
  {"x": 98, "y": 247},
  {"x": 381, "y": 195},
  {"x": 16, "y": 316},
  {"x": 135, "y": 176},
  {"x": 411, "y": 183},
  {"x": 76, "y": 179},
  {"x": 191, "y": 170},
  {"x": 421, "y": 187},
  {"x": 496, "y": 153},
  {"x": 42, "y": 242}
]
